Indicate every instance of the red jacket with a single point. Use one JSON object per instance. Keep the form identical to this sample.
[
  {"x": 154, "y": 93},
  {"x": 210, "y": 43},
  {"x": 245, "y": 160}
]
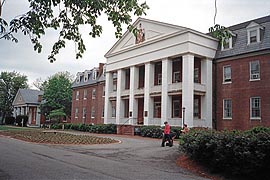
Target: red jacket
[{"x": 167, "y": 129}]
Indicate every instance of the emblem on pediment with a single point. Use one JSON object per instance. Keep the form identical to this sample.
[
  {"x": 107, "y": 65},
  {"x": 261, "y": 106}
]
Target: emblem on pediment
[{"x": 140, "y": 35}]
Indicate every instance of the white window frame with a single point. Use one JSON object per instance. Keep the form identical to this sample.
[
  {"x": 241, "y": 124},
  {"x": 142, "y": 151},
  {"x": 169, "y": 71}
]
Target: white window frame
[
  {"x": 257, "y": 31},
  {"x": 253, "y": 105},
  {"x": 94, "y": 74},
  {"x": 93, "y": 112},
  {"x": 94, "y": 93},
  {"x": 85, "y": 77},
  {"x": 227, "y": 109},
  {"x": 176, "y": 109},
  {"x": 254, "y": 76},
  {"x": 84, "y": 113},
  {"x": 227, "y": 41},
  {"x": 76, "y": 112},
  {"x": 77, "y": 95},
  {"x": 227, "y": 80},
  {"x": 85, "y": 94}
]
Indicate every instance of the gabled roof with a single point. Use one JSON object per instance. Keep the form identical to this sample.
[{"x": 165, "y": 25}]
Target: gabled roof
[
  {"x": 240, "y": 41},
  {"x": 27, "y": 96},
  {"x": 153, "y": 30}
]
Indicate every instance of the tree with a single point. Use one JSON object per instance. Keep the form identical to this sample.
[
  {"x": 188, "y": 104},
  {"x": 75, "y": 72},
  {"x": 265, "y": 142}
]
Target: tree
[
  {"x": 39, "y": 84},
  {"x": 58, "y": 93},
  {"x": 10, "y": 83},
  {"x": 67, "y": 17}
]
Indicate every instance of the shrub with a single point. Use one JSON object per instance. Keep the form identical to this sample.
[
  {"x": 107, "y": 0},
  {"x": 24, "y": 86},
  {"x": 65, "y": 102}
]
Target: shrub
[
  {"x": 20, "y": 118},
  {"x": 10, "y": 120},
  {"x": 230, "y": 152},
  {"x": 151, "y": 131},
  {"x": 103, "y": 128}
]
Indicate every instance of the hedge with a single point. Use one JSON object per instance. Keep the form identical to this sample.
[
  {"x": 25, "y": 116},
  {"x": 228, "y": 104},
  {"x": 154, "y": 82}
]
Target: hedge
[
  {"x": 230, "y": 152},
  {"x": 99, "y": 128}
]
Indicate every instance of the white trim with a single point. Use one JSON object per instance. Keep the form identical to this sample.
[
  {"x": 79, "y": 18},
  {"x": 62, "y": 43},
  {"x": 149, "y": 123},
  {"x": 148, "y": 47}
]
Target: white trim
[
  {"x": 224, "y": 82},
  {"x": 252, "y": 77},
  {"x": 250, "y": 108},
  {"x": 223, "y": 109}
]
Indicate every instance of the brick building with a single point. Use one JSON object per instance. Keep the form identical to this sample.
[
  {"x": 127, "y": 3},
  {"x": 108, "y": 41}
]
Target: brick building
[
  {"x": 88, "y": 92},
  {"x": 242, "y": 77},
  {"x": 176, "y": 74}
]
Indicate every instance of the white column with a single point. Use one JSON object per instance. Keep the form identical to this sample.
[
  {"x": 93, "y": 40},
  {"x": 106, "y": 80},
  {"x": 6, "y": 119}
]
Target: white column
[
  {"x": 188, "y": 88},
  {"x": 119, "y": 101},
  {"x": 148, "y": 101},
  {"x": 166, "y": 80},
  {"x": 107, "y": 103},
  {"x": 133, "y": 104},
  {"x": 206, "y": 105}
]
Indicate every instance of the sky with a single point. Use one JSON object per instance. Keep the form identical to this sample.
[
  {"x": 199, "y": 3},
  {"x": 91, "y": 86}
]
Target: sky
[{"x": 194, "y": 14}]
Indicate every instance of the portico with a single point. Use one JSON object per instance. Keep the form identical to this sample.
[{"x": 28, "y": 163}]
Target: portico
[{"x": 155, "y": 79}]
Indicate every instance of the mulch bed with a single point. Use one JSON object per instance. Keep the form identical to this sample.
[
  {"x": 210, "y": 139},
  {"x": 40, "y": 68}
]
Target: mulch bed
[
  {"x": 56, "y": 137},
  {"x": 186, "y": 163}
]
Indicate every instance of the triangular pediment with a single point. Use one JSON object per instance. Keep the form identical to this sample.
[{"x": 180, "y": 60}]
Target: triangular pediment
[
  {"x": 149, "y": 30},
  {"x": 18, "y": 100},
  {"x": 253, "y": 25}
]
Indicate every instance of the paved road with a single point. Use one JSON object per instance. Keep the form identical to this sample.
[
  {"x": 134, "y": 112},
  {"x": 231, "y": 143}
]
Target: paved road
[{"x": 133, "y": 158}]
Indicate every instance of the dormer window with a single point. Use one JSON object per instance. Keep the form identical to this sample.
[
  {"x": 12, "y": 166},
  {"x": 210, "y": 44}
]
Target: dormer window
[
  {"x": 227, "y": 44},
  {"x": 94, "y": 75},
  {"x": 85, "y": 77},
  {"x": 254, "y": 33}
]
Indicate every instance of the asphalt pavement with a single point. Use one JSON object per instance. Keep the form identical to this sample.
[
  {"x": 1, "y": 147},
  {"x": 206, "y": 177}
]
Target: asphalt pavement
[{"x": 133, "y": 157}]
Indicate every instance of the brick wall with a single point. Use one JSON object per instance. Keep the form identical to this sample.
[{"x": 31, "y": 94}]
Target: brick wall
[{"x": 240, "y": 91}]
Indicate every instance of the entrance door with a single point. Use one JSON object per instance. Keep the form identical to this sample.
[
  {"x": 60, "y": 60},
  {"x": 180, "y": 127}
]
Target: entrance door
[{"x": 140, "y": 111}]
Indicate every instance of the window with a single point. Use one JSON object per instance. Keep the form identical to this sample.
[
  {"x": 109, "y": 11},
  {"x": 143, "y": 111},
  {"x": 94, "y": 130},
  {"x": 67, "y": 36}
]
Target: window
[
  {"x": 176, "y": 76},
  {"x": 176, "y": 108},
  {"x": 114, "y": 86},
  {"x": 157, "y": 109},
  {"x": 84, "y": 112},
  {"x": 93, "y": 112},
  {"x": 94, "y": 93},
  {"x": 126, "y": 108},
  {"x": 255, "y": 107},
  {"x": 227, "y": 44},
  {"x": 227, "y": 74},
  {"x": 196, "y": 75},
  {"x": 103, "y": 91},
  {"x": 76, "y": 112},
  {"x": 254, "y": 70},
  {"x": 85, "y": 77},
  {"x": 77, "y": 95},
  {"x": 113, "y": 110},
  {"x": 159, "y": 79},
  {"x": 85, "y": 94},
  {"x": 196, "y": 108},
  {"x": 94, "y": 75},
  {"x": 253, "y": 36},
  {"x": 227, "y": 109}
]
